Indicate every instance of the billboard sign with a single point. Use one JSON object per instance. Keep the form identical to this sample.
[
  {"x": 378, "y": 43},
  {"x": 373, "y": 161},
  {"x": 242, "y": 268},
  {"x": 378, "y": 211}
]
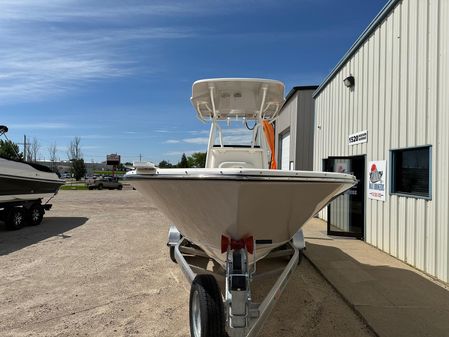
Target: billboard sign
[
  {"x": 377, "y": 178},
  {"x": 113, "y": 159}
]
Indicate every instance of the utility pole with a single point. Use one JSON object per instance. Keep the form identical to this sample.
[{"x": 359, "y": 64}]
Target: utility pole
[
  {"x": 140, "y": 156},
  {"x": 25, "y": 145}
]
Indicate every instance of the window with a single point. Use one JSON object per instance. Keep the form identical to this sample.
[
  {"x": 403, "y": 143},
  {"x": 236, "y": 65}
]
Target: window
[{"x": 411, "y": 172}]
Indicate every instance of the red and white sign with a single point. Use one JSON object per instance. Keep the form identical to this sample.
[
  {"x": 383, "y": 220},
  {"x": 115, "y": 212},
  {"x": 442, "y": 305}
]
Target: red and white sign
[{"x": 377, "y": 178}]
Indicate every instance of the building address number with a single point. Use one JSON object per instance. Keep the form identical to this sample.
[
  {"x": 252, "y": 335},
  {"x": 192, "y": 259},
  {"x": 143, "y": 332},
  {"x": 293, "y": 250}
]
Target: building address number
[{"x": 358, "y": 138}]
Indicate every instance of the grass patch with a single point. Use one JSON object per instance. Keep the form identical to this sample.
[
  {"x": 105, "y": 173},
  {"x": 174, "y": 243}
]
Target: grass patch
[
  {"x": 108, "y": 173},
  {"x": 74, "y": 187}
]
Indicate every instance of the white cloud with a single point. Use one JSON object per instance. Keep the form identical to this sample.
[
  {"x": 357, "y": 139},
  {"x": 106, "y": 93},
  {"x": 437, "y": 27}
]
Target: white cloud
[
  {"x": 179, "y": 153},
  {"x": 70, "y": 10},
  {"x": 199, "y": 132},
  {"x": 197, "y": 140},
  {"x": 95, "y": 136},
  {"x": 172, "y": 141},
  {"x": 41, "y": 125},
  {"x": 48, "y": 49}
]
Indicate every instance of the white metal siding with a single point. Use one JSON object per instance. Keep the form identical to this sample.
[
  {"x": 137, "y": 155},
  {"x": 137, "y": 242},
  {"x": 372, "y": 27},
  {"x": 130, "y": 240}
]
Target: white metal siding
[
  {"x": 297, "y": 117},
  {"x": 401, "y": 96},
  {"x": 286, "y": 122}
]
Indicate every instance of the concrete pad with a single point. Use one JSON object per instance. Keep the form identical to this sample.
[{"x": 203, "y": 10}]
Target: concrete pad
[
  {"x": 406, "y": 321},
  {"x": 393, "y": 298}
]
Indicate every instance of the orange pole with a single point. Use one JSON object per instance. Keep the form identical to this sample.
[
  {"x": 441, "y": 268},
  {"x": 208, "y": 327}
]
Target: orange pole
[{"x": 268, "y": 130}]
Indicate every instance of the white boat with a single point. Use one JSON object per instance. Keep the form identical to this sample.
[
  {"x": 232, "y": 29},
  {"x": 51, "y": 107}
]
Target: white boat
[
  {"x": 236, "y": 195},
  {"x": 268, "y": 205},
  {"x": 236, "y": 210},
  {"x": 23, "y": 187},
  {"x": 21, "y": 181}
]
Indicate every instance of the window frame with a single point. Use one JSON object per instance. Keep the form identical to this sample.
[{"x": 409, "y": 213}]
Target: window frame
[{"x": 392, "y": 168}]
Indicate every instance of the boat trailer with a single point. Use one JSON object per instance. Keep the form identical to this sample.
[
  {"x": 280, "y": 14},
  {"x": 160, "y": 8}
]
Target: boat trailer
[{"x": 230, "y": 311}]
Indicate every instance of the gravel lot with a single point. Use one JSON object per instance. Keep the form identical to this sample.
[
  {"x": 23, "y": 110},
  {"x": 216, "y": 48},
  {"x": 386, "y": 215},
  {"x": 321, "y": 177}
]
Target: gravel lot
[{"x": 98, "y": 266}]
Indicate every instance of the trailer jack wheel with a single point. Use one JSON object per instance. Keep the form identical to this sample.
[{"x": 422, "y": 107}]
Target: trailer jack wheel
[{"x": 206, "y": 308}]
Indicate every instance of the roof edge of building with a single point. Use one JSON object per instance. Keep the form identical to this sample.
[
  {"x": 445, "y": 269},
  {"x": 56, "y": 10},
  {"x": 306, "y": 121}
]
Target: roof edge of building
[
  {"x": 297, "y": 88},
  {"x": 389, "y": 6}
]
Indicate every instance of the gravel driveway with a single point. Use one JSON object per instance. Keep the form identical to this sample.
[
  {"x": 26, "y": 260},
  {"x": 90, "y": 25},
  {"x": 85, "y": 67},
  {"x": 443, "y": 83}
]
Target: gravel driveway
[{"x": 98, "y": 266}]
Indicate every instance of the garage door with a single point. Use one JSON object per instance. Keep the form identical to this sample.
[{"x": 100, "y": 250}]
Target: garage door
[{"x": 285, "y": 151}]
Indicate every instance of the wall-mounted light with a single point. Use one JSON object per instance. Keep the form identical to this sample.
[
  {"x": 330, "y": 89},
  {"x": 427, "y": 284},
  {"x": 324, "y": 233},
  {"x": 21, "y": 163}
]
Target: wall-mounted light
[{"x": 349, "y": 81}]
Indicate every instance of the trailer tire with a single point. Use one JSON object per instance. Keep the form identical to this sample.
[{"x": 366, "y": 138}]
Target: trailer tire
[
  {"x": 35, "y": 215},
  {"x": 15, "y": 218},
  {"x": 100, "y": 186},
  {"x": 206, "y": 313}
]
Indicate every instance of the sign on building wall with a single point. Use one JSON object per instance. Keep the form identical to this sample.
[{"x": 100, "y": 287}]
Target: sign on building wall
[
  {"x": 377, "y": 178},
  {"x": 358, "y": 138}
]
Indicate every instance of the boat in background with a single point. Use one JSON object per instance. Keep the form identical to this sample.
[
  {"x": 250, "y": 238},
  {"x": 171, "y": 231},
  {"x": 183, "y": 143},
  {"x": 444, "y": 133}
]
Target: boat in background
[
  {"x": 23, "y": 188},
  {"x": 236, "y": 210},
  {"x": 21, "y": 181}
]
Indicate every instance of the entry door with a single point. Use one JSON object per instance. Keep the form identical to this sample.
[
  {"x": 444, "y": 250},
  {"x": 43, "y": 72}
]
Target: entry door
[
  {"x": 346, "y": 214},
  {"x": 285, "y": 151}
]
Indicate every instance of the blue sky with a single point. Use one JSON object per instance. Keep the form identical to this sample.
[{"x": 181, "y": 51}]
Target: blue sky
[{"x": 118, "y": 74}]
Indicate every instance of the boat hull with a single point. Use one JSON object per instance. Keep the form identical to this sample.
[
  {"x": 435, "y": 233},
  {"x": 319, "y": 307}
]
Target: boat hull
[
  {"x": 14, "y": 189},
  {"x": 22, "y": 182},
  {"x": 269, "y": 208}
]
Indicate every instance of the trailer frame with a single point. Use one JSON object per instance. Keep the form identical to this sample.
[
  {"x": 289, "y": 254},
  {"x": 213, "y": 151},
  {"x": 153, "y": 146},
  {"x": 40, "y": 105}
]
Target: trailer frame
[{"x": 243, "y": 317}]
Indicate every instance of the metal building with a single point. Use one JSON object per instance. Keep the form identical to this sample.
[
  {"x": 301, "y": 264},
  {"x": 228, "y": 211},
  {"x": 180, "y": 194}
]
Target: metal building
[
  {"x": 383, "y": 113},
  {"x": 294, "y": 130}
]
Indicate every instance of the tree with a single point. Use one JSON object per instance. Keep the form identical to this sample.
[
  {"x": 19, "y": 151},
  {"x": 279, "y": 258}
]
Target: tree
[
  {"x": 165, "y": 164},
  {"x": 183, "y": 163},
  {"x": 78, "y": 168},
  {"x": 34, "y": 149},
  {"x": 10, "y": 150},
  {"x": 75, "y": 155},
  {"x": 52, "y": 150},
  {"x": 74, "y": 149},
  {"x": 197, "y": 159}
]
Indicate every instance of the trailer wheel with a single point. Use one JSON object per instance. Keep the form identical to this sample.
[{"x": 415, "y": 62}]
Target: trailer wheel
[
  {"x": 100, "y": 186},
  {"x": 15, "y": 218},
  {"x": 35, "y": 214},
  {"x": 206, "y": 311},
  {"x": 120, "y": 187}
]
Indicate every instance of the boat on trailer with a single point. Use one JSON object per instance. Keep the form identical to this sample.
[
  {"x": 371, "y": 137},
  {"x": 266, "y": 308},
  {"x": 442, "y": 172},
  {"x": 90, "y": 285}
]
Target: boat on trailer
[
  {"x": 238, "y": 209},
  {"x": 23, "y": 188}
]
